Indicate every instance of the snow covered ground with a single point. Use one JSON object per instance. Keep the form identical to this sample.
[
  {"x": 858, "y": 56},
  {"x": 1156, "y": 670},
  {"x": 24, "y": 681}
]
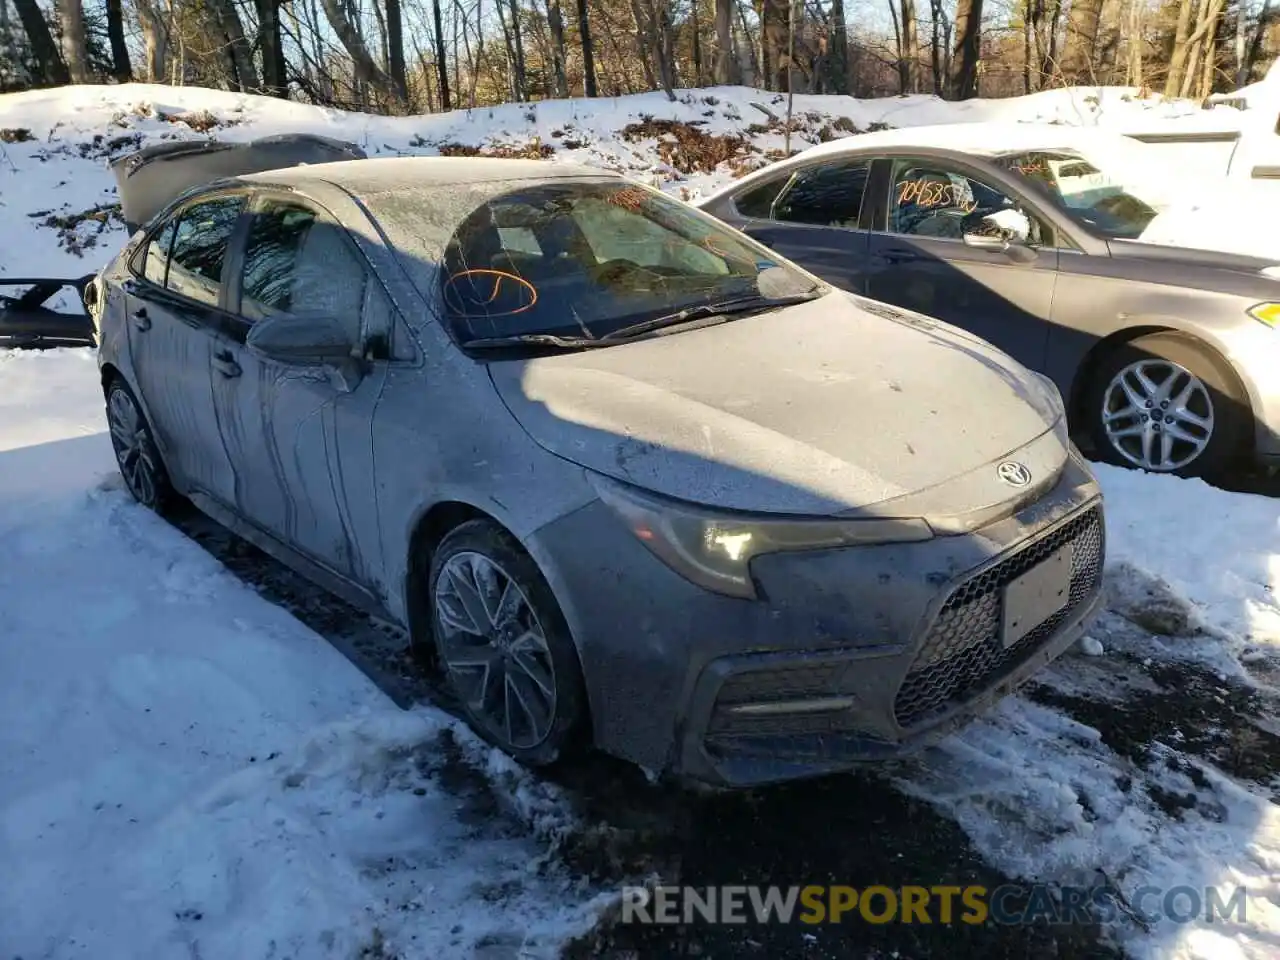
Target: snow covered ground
[{"x": 187, "y": 770}]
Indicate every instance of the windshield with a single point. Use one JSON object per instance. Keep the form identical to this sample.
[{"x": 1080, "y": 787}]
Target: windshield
[
  {"x": 586, "y": 258},
  {"x": 1100, "y": 200}
]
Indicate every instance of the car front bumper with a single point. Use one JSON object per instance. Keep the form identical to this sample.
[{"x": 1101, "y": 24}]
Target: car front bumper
[{"x": 849, "y": 656}]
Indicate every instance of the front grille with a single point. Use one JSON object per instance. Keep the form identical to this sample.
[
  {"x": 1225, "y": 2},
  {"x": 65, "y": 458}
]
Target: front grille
[
  {"x": 782, "y": 680},
  {"x": 962, "y": 652}
]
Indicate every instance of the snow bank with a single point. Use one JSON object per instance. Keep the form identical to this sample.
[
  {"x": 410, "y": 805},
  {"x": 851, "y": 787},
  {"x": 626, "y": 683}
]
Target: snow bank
[{"x": 187, "y": 770}]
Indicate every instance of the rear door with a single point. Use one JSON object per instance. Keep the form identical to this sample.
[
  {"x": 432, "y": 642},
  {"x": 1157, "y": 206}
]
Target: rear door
[
  {"x": 299, "y": 436},
  {"x": 920, "y": 260},
  {"x": 814, "y": 217},
  {"x": 174, "y": 304}
]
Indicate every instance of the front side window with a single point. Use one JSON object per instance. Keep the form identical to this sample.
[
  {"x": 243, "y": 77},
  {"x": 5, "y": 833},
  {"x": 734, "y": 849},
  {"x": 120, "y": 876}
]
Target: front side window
[
  {"x": 829, "y": 195},
  {"x": 585, "y": 258},
  {"x": 928, "y": 200},
  {"x": 200, "y": 248},
  {"x": 297, "y": 261},
  {"x": 1095, "y": 197},
  {"x": 156, "y": 256},
  {"x": 758, "y": 201}
]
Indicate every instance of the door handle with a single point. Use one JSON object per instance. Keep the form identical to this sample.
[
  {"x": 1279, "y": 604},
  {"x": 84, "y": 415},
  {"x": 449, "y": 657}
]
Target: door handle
[
  {"x": 899, "y": 255},
  {"x": 140, "y": 319},
  {"x": 225, "y": 364}
]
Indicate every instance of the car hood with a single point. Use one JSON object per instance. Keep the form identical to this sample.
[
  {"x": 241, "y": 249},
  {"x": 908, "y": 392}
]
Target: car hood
[{"x": 838, "y": 406}]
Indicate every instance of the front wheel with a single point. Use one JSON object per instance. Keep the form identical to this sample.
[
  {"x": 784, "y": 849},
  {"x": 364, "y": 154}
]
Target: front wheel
[
  {"x": 136, "y": 453},
  {"x": 1166, "y": 404},
  {"x": 504, "y": 646}
]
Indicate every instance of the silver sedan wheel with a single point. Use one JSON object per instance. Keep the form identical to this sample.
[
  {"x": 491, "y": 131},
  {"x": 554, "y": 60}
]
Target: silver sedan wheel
[
  {"x": 494, "y": 649},
  {"x": 1157, "y": 415},
  {"x": 133, "y": 447}
]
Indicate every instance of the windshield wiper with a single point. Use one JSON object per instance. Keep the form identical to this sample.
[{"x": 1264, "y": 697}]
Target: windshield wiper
[
  {"x": 721, "y": 308},
  {"x": 696, "y": 312},
  {"x": 532, "y": 340}
]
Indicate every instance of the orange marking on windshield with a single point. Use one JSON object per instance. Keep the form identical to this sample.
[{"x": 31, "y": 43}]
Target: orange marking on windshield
[{"x": 498, "y": 277}]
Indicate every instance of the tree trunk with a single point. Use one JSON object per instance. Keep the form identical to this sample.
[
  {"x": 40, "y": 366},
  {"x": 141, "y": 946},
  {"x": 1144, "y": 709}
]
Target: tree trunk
[
  {"x": 395, "y": 50},
  {"x": 1028, "y": 27},
  {"x": 352, "y": 41},
  {"x": 773, "y": 16},
  {"x": 725, "y": 72},
  {"x": 1178, "y": 59},
  {"x": 275, "y": 83},
  {"x": 556, "y": 24},
  {"x": 517, "y": 39},
  {"x": 838, "y": 50},
  {"x": 910, "y": 50},
  {"x": 53, "y": 69},
  {"x": 239, "y": 53},
  {"x": 1191, "y": 73},
  {"x": 937, "y": 45},
  {"x": 1209, "y": 48},
  {"x": 1082, "y": 39},
  {"x": 1255, "y": 43},
  {"x": 75, "y": 50},
  {"x": 968, "y": 49},
  {"x": 588, "y": 51},
  {"x": 442, "y": 68},
  {"x": 640, "y": 20},
  {"x": 155, "y": 40},
  {"x": 1134, "y": 72},
  {"x": 121, "y": 67}
]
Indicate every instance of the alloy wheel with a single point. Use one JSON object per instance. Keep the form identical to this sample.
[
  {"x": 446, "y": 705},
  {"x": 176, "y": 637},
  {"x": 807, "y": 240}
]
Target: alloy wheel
[
  {"x": 132, "y": 444},
  {"x": 494, "y": 649},
  {"x": 1157, "y": 415}
]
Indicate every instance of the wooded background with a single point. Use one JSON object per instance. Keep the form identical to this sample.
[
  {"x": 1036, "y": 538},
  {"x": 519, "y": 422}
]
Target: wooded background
[{"x": 415, "y": 56}]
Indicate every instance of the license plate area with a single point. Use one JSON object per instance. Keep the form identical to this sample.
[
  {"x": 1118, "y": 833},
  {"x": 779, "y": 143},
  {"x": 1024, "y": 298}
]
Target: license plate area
[{"x": 1036, "y": 596}]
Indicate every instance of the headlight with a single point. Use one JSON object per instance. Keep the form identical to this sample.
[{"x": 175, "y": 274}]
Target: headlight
[
  {"x": 1268, "y": 313},
  {"x": 714, "y": 549},
  {"x": 1050, "y": 389}
]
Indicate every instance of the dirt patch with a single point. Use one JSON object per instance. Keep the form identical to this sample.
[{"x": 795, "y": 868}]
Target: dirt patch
[
  {"x": 1193, "y": 711},
  {"x": 81, "y": 231},
  {"x": 533, "y": 149},
  {"x": 15, "y": 135},
  {"x": 686, "y": 147}
]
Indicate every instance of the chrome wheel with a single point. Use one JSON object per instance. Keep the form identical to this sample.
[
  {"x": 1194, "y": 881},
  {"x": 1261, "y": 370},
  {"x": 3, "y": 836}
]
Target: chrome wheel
[
  {"x": 1157, "y": 415},
  {"x": 134, "y": 451},
  {"x": 494, "y": 649}
]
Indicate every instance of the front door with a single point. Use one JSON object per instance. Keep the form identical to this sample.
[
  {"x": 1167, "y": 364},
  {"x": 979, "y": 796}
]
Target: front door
[
  {"x": 174, "y": 311},
  {"x": 299, "y": 435},
  {"x": 920, "y": 260}
]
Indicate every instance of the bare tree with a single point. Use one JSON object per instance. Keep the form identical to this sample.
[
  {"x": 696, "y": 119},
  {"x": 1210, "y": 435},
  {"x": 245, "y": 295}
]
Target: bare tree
[
  {"x": 442, "y": 68},
  {"x": 1082, "y": 38},
  {"x": 838, "y": 49},
  {"x": 968, "y": 49},
  {"x": 555, "y": 22},
  {"x": 366, "y": 70},
  {"x": 395, "y": 50},
  {"x": 588, "y": 51},
  {"x": 1133, "y": 71},
  {"x": 909, "y": 48},
  {"x": 75, "y": 50},
  {"x": 53, "y": 69},
  {"x": 1178, "y": 58},
  {"x": 725, "y": 70}
]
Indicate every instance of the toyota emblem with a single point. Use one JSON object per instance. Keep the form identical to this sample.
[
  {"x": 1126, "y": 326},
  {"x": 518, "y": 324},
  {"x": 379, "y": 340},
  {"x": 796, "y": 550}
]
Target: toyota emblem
[{"x": 1014, "y": 474}]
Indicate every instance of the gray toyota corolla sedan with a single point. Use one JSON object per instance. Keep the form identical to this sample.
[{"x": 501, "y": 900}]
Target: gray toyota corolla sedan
[{"x": 628, "y": 478}]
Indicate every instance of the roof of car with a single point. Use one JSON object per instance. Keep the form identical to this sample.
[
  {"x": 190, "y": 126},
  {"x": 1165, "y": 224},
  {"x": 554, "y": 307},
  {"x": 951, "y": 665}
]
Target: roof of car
[
  {"x": 979, "y": 139},
  {"x": 989, "y": 138},
  {"x": 385, "y": 174}
]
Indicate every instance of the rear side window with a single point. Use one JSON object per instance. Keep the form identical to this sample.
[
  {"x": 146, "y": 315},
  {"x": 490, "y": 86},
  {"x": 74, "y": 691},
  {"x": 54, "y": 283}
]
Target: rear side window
[
  {"x": 298, "y": 261},
  {"x": 829, "y": 195},
  {"x": 200, "y": 248}
]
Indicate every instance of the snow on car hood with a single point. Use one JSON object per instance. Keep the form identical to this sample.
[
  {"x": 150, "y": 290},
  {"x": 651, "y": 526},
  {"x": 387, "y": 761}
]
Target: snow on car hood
[
  {"x": 828, "y": 407},
  {"x": 1232, "y": 217}
]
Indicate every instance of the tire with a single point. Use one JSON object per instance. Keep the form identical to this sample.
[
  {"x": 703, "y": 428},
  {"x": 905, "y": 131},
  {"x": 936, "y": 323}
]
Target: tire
[
  {"x": 528, "y": 699},
  {"x": 1210, "y": 445},
  {"x": 137, "y": 456}
]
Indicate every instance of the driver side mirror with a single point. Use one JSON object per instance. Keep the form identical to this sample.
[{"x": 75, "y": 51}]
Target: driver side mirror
[
  {"x": 291, "y": 338},
  {"x": 1007, "y": 230}
]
